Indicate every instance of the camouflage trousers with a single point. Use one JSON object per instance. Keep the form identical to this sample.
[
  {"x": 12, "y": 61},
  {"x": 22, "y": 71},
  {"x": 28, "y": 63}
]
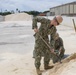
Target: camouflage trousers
[{"x": 40, "y": 50}]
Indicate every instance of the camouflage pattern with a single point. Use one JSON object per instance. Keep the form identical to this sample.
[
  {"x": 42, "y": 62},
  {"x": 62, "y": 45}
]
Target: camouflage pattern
[
  {"x": 58, "y": 45},
  {"x": 40, "y": 47}
]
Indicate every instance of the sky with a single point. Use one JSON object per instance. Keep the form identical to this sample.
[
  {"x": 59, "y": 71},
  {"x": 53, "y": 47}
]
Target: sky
[{"x": 30, "y": 5}]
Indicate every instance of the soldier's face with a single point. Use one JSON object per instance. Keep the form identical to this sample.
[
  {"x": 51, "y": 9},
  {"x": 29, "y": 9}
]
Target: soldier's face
[{"x": 56, "y": 23}]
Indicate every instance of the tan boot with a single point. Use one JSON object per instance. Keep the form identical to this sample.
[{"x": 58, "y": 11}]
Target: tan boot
[
  {"x": 38, "y": 72},
  {"x": 46, "y": 67}
]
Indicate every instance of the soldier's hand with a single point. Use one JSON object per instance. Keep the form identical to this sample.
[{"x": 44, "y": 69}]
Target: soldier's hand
[
  {"x": 52, "y": 50},
  {"x": 35, "y": 30}
]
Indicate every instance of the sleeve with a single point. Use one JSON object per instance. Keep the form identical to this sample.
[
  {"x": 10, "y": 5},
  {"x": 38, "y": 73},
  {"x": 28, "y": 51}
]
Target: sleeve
[
  {"x": 52, "y": 40},
  {"x": 37, "y": 19},
  {"x": 61, "y": 43}
]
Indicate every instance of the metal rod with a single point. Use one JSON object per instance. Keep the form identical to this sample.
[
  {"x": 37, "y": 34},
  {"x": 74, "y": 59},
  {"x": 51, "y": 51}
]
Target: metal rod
[{"x": 74, "y": 24}]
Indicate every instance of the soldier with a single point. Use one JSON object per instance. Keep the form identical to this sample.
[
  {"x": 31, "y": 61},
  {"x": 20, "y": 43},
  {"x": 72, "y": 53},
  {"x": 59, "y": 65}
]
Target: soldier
[
  {"x": 59, "y": 48},
  {"x": 47, "y": 27}
]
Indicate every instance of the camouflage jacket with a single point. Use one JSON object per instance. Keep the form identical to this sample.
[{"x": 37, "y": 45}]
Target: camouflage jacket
[{"x": 45, "y": 29}]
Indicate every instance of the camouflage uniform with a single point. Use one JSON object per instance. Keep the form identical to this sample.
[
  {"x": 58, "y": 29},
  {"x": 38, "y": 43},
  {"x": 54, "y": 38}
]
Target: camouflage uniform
[
  {"x": 40, "y": 47},
  {"x": 58, "y": 45}
]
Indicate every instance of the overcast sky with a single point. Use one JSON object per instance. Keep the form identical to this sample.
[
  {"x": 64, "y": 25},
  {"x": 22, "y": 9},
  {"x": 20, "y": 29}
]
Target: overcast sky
[{"x": 28, "y": 5}]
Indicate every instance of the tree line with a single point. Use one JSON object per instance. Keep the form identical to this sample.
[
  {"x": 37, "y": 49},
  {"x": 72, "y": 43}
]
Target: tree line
[{"x": 34, "y": 13}]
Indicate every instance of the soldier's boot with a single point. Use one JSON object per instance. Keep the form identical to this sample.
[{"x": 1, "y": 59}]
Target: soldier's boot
[
  {"x": 46, "y": 67},
  {"x": 38, "y": 72}
]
